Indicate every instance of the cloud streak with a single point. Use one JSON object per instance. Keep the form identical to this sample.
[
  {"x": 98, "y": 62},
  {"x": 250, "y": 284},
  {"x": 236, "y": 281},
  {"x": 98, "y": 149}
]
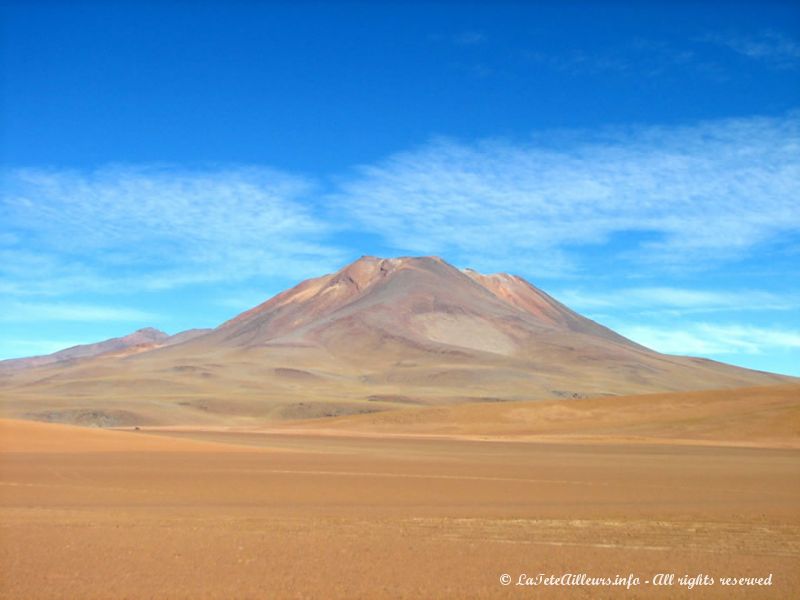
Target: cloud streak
[
  {"x": 469, "y": 38},
  {"x": 681, "y": 197},
  {"x": 703, "y": 339},
  {"x": 770, "y": 47},
  {"x": 155, "y": 228},
  {"x": 677, "y": 301},
  {"x": 59, "y": 311}
]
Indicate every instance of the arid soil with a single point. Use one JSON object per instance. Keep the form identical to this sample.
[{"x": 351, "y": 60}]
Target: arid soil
[
  {"x": 756, "y": 417},
  {"x": 310, "y": 514}
]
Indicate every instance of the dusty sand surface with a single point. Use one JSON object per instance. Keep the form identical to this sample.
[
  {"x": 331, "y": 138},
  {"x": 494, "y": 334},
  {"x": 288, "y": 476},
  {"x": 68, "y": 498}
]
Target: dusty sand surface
[
  {"x": 766, "y": 417},
  {"x": 96, "y": 514}
]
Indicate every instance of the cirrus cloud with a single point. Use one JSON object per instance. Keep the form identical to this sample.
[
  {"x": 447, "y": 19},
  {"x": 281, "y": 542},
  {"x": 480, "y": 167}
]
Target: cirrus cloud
[
  {"x": 677, "y": 301},
  {"x": 155, "y": 228},
  {"x": 680, "y": 196},
  {"x": 772, "y": 47},
  {"x": 16, "y": 312},
  {"x": 704, "y": 339}
]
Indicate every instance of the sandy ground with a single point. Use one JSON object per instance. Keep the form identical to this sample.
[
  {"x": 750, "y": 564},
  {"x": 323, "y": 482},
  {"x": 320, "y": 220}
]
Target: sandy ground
[
  {"x": 765, "y": 417},
  {"x": 99, "y": 514}
]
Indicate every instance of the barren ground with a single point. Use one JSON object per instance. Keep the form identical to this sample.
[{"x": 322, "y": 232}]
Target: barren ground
[{"x": 115, "y": 514}]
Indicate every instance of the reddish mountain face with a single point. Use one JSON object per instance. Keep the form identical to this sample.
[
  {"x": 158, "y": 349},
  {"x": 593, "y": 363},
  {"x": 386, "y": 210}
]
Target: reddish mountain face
[
  {"x": 519, "y": 293},
  {"x": 420, "y": 300}
]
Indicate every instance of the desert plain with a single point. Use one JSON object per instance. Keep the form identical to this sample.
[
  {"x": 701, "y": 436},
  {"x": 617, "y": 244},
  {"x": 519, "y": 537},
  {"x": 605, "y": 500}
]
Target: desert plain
[{"x": 412, "y": 504}]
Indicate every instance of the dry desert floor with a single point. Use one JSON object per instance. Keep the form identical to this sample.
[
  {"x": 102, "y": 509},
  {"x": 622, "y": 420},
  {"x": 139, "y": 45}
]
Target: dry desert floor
[{"x": 302, "y": 512}]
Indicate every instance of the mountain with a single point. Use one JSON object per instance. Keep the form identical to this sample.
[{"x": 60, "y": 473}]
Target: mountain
[
  {"x": 139, "y": 341},
  {"x": 376, "y": 335},
  {"x": 424, "y": 301}
]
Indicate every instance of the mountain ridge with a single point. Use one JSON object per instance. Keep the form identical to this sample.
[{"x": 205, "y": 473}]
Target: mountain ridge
[{"x": 142, "y": 339}]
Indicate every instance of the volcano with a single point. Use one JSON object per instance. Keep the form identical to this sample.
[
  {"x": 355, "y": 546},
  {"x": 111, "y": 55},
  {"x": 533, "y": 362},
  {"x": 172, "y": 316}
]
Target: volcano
[{"x": 378, "y": 334}]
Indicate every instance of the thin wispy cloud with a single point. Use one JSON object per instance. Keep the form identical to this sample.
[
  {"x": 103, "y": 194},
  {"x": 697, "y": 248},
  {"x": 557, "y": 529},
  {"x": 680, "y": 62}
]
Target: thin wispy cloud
[
  {"x": 704, "y": 339},
  {"x": 27, "y": 347},
  {"x": 13, "y": 311},
  {"x": 638, "y": 58},
  {"x": 676, "y": 301},
  {"x": 155, "y": 228},
  {"x": 771, "y": 47},
  {"x": 685, "y": 197},
  {"x": 469, "y": 38}
]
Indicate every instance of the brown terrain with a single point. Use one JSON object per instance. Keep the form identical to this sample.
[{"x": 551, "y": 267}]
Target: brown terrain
[
  {"x": 350, "y": 511},
  {"x": 399, "y": 429}
]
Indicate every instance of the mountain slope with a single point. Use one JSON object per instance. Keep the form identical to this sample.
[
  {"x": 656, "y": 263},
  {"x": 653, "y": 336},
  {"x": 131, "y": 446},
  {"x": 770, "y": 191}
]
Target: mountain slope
[
  {"x": 418, "y": 299},
  {"x": 376, "y": 335}
]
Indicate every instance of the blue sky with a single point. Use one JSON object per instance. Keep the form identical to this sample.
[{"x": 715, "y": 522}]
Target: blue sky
[{"x": 171, "y": 164}]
